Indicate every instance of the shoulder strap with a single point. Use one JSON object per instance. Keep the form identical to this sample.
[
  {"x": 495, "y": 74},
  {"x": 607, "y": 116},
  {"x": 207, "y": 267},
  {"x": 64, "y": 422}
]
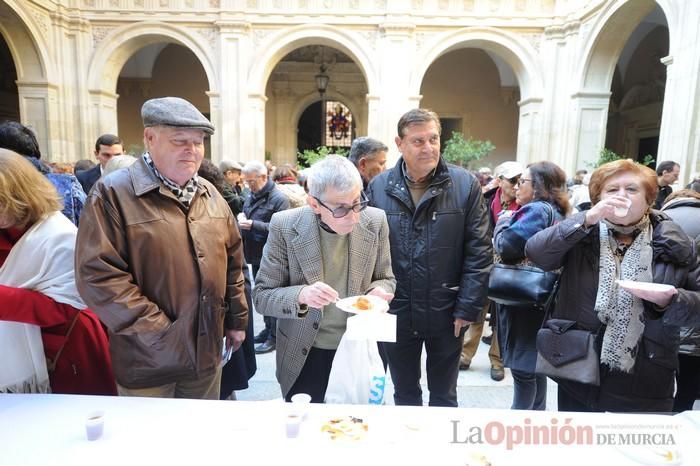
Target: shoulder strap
[
  {"x": 51, "y": 363},
  {"x": 550, "y": 213}
]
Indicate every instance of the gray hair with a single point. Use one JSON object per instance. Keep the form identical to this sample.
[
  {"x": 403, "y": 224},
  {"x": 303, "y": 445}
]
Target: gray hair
[
  {"x": 333, "y": 172},
  {"x": 365, "y": 147},
  {"x": 117, "y": 162},
  {"x": 255, "y": 167}
]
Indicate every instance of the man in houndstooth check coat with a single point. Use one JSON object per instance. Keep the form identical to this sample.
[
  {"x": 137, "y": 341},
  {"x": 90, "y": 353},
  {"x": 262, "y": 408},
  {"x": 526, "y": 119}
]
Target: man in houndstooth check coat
[{"x": 333, "y": 248}]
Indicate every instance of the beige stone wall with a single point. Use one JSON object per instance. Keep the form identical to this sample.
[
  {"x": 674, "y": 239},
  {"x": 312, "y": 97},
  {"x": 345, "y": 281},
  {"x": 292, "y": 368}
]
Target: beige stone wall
[
  {"x": 563, "y": 53},
  {"x": 465, "y": 84},
  {"x": 176, "y": 72}
]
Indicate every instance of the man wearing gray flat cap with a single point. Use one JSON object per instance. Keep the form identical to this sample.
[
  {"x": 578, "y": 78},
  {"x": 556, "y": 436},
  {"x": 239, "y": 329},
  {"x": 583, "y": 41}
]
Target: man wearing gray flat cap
[{"x": 159, "y": 260}]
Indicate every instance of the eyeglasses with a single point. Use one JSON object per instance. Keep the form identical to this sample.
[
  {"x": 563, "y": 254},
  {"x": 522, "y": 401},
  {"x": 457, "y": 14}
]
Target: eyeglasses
[
  {"x": 522, "y": 181},
  {"x": 253, "y": 180},
  {"x": 342, "y": 211}
]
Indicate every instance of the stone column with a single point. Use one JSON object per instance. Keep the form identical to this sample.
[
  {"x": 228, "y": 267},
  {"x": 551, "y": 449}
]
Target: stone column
[
  {"x": 530, "y": 132},
  {"x": 558, "y": 53},
  {"x": 39, "y": 110},
  {"x": 233, "y": 138},
  {"x": 589, "y": 119},
  {"x": 103, "y": 111},
  {"x": 72, "y": 47},
  {"x": 679, "y": 138},
  {"x": 395, "y": 46},
  {"x": 283, "y": 149},
  {"x": 253, "y": 126},
  {"x": 217, "y": 147}
]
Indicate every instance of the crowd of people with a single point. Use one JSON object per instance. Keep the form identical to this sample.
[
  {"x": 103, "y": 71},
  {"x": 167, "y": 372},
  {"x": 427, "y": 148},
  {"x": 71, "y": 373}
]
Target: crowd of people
[{"x": 137, "y": 276}]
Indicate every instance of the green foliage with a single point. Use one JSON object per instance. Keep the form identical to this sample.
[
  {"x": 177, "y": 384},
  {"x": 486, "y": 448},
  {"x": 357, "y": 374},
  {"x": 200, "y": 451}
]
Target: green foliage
[
  {"x": 648, "y": 160},
  {"x": 606, "y": 156},
  {"x": 464, "y": 152},
  {"x": 135, "y": 150},
  {"x": 309, "y": 157}
]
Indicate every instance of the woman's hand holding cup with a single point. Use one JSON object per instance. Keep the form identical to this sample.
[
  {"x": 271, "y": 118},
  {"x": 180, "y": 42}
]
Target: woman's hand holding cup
[{"x": 611, "y": 208}]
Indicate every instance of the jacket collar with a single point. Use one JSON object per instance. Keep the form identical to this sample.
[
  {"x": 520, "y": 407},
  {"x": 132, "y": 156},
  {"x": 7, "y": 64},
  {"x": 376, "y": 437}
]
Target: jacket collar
[
  {"x": 145, "y": 181},
  {"x": 396, "y": 183},
  {"x": 307, "y": 247},
  {"x": 442, "y": 173},
  {"x": 267, "y": 189}
]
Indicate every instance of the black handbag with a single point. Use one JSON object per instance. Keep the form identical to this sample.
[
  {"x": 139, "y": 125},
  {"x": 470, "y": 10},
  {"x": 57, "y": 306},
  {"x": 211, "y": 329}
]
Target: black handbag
[
  {"x": 565, "y": 352},
  {"x": 521, "y": 285}
]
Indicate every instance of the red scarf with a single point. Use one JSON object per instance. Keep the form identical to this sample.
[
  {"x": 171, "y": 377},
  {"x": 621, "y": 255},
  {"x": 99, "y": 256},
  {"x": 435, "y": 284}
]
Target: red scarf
[
  {"x": 497, "y": 207},
  {"x": 8, "y": 238}
]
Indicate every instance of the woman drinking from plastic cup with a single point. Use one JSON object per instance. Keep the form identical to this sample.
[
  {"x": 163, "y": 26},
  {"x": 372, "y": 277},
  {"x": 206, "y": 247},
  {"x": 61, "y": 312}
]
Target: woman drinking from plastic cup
[{"x": 631, "y": 276}]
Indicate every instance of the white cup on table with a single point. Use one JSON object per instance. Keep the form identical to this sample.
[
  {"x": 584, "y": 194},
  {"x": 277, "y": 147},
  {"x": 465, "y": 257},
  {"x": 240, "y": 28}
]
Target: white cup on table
[{"x": 94, "y": 425}]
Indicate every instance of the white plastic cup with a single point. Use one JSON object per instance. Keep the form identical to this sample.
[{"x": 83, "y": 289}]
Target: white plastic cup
[
  {"x": 94, "y": 425},
  {"x": 621, "y": 212},
  {"x": 300, "y": 404},
  {"x": 293, "y": 425},
  {"x": 301, "y": 398}
]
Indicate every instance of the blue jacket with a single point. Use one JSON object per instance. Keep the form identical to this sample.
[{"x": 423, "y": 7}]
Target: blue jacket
[
  {"x": 441, "y": 250},
  {"x": 517, "y": 327},
  {"x": 68, "y": 188},
  {"x": 72, "y": 193}
]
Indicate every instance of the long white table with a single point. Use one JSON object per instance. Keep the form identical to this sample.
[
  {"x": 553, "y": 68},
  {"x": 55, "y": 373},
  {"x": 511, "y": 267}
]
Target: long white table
[{"x": 49, "y": 430}]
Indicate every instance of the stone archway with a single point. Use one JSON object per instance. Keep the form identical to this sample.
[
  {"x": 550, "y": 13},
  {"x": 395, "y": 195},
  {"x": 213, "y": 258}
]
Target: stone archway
[
  {"x": 518, "y": 55},
  {"x": 149, "y": 74},
  {"x": 481, "y": 104},
  {"x": 36, "y": 97},
  {"x": 594, "y": 78},
  {"x": 292, "y": 88},
  {"x": 278, "y": 46},
  {"x": 608, "y": 38},
  {"x": 313, "y": 99},
  {"x": 113, "y": 52}
]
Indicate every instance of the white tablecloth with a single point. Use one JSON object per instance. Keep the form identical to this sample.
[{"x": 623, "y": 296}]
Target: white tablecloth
[{"x": 49, "y": 430}]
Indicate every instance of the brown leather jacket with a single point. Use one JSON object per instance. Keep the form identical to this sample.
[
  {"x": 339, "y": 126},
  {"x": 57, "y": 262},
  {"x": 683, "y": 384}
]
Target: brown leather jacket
[{"x": 165, "y": 281}]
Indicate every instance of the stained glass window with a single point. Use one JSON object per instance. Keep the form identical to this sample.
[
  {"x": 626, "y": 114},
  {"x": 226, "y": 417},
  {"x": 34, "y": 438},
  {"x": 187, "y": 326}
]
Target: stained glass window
[{"x": 339, "y": 127}]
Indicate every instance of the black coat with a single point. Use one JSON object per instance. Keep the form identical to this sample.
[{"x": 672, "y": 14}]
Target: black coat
[
  {"x": 87, "y": 178},
  {"x": 441, "y": 250},
  {"x": 242, "y": 365},
  {"x": 259, "y": 208},
  {"x": 650, "y": 385}
]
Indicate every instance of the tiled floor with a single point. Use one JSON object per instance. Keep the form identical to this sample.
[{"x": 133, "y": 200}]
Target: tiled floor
[{"x": 475, "y": 389}]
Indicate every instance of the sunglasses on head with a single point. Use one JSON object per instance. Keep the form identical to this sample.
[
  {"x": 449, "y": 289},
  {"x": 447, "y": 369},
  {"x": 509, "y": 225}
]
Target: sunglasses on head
[{"x": 513, "y": 180}]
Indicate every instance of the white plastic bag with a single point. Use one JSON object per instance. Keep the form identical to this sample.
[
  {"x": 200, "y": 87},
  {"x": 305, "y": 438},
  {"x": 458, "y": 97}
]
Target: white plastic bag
[{"x": 357, "y": 375}]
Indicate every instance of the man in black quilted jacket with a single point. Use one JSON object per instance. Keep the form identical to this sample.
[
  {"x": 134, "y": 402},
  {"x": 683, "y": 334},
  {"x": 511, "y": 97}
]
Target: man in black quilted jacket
[{"x": 441, "y": 256}]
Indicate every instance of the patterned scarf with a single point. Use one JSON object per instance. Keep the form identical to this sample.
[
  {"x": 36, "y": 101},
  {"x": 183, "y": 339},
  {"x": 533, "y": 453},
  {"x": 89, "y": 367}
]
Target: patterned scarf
[
  {"x": 619, "y": 310},
  {"x": 184, "y": 194}
]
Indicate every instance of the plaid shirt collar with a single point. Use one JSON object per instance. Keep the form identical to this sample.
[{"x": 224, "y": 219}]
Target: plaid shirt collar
[{"x": 184, "y": 194}]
